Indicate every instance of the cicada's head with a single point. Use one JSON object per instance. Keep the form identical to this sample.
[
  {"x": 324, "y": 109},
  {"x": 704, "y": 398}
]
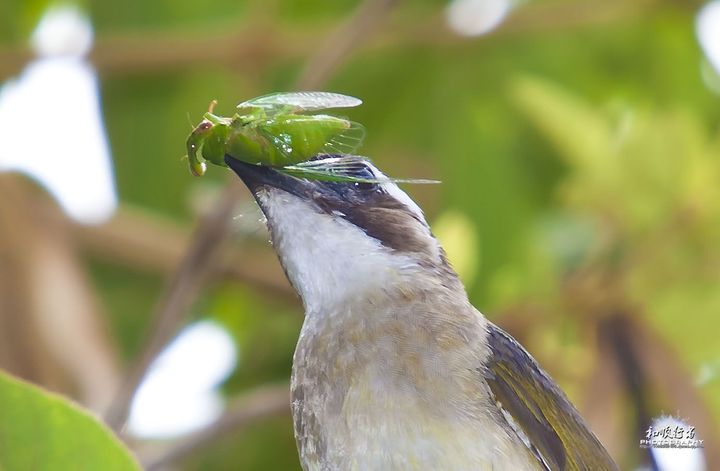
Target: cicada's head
[
  {"x": 207, "y": 142},
  {"x": 194, "y": 146}
]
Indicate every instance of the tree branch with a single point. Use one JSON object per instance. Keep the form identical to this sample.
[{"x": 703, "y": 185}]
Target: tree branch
[
  {"x": 339, "y": 44},
  {"x": 142, "y": 240},
  {"x": 138, "y": 52},
  {"x": 51, "y": 330},
  {"x": 177, "y": 298},
  {"x": 252, "y": 406}
]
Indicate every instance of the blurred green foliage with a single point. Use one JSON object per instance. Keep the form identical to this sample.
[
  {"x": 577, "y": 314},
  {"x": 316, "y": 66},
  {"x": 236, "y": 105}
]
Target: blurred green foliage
[
  {"x": 62, "y": 435},
  {"x": 563, "y": 146},
  {"x": 651, "y": 179}
]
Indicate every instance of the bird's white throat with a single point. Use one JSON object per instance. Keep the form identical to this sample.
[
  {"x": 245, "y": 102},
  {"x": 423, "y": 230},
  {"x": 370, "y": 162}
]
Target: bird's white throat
[{"x": 328, "y": 260}]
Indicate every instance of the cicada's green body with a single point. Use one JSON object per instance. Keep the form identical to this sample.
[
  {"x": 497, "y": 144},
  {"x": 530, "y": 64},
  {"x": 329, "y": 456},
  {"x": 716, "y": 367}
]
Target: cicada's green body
[
  {"x": 278, "y": 131},
  {"x": 285, "y": 140},
  {"x": 273, "y": 131}
]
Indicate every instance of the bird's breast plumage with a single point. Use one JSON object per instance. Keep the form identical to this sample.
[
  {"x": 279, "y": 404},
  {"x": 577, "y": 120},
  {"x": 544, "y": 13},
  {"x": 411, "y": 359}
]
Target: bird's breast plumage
[{"x": 397, "y": 388}]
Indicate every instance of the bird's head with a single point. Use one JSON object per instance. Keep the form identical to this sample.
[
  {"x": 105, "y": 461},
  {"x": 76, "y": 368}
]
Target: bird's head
[{"x": 337, "y": 240}]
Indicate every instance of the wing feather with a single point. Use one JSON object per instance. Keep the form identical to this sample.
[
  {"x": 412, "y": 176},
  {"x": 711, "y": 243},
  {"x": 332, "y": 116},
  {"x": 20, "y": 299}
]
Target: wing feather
[{"x": 537, "y": 407}]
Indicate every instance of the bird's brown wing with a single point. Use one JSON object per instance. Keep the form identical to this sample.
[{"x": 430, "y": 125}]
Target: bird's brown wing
[{"x": 539, "y": 412}]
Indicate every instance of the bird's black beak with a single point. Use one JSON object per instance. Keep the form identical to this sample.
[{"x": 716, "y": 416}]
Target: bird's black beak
[{"x": 257, "y": 177}]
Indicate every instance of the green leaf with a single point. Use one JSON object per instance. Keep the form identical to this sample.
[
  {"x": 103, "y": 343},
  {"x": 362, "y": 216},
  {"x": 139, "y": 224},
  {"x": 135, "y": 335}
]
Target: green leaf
[{"x": 43, "y": 431}]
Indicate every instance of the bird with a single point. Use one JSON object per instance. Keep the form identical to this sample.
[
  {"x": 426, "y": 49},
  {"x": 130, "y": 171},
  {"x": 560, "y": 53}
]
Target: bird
[{"x": 394, "y": 368}]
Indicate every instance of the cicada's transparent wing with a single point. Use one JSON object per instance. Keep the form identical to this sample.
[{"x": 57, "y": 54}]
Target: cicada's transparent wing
[
  {"x": 323, "y": 175},
  {"x": 343, "y": 166},
  {"x": 345, "y": 169},
  {"x": 294, "y": 102},
  {"x": 312, "y": 174},
  {"x": 346, "y": 142}
]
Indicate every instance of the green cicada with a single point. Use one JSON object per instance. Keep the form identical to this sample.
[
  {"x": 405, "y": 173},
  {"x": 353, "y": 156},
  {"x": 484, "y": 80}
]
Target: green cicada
[{"x": 275, "y": 130}]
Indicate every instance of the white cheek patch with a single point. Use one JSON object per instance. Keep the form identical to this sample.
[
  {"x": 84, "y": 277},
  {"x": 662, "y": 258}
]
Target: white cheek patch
[{"x": 327, "y": 258}]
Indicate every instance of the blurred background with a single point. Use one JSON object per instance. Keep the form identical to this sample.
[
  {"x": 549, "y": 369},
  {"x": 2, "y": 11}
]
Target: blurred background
[{"x": 578, "y": 147}]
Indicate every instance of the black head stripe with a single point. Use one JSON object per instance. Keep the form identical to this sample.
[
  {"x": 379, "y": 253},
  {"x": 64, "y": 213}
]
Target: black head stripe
[{"x": 380, "y": 215}]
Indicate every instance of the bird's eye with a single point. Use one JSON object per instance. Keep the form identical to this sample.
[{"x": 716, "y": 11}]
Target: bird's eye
[{"x": 365, "y": 186}]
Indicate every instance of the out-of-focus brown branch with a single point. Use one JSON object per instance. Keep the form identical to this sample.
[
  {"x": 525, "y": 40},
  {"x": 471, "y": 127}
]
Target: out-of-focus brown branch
[
  {"x": 601, "y": 394},
  {"x": 19, "y": 353},
  {"x": 146, "y": 241},
  {"x": 155, "y": 51},
  {"x": 180, "y": 292},
  {"x": 633, "y": 363},
  {"x": 342, "y": 41},
  {"x": 56, "y": 335},
  {"x": 202, "y": 255},
  {"x": 664, "y": 370},
  {"x": 254, "y": 405}
]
